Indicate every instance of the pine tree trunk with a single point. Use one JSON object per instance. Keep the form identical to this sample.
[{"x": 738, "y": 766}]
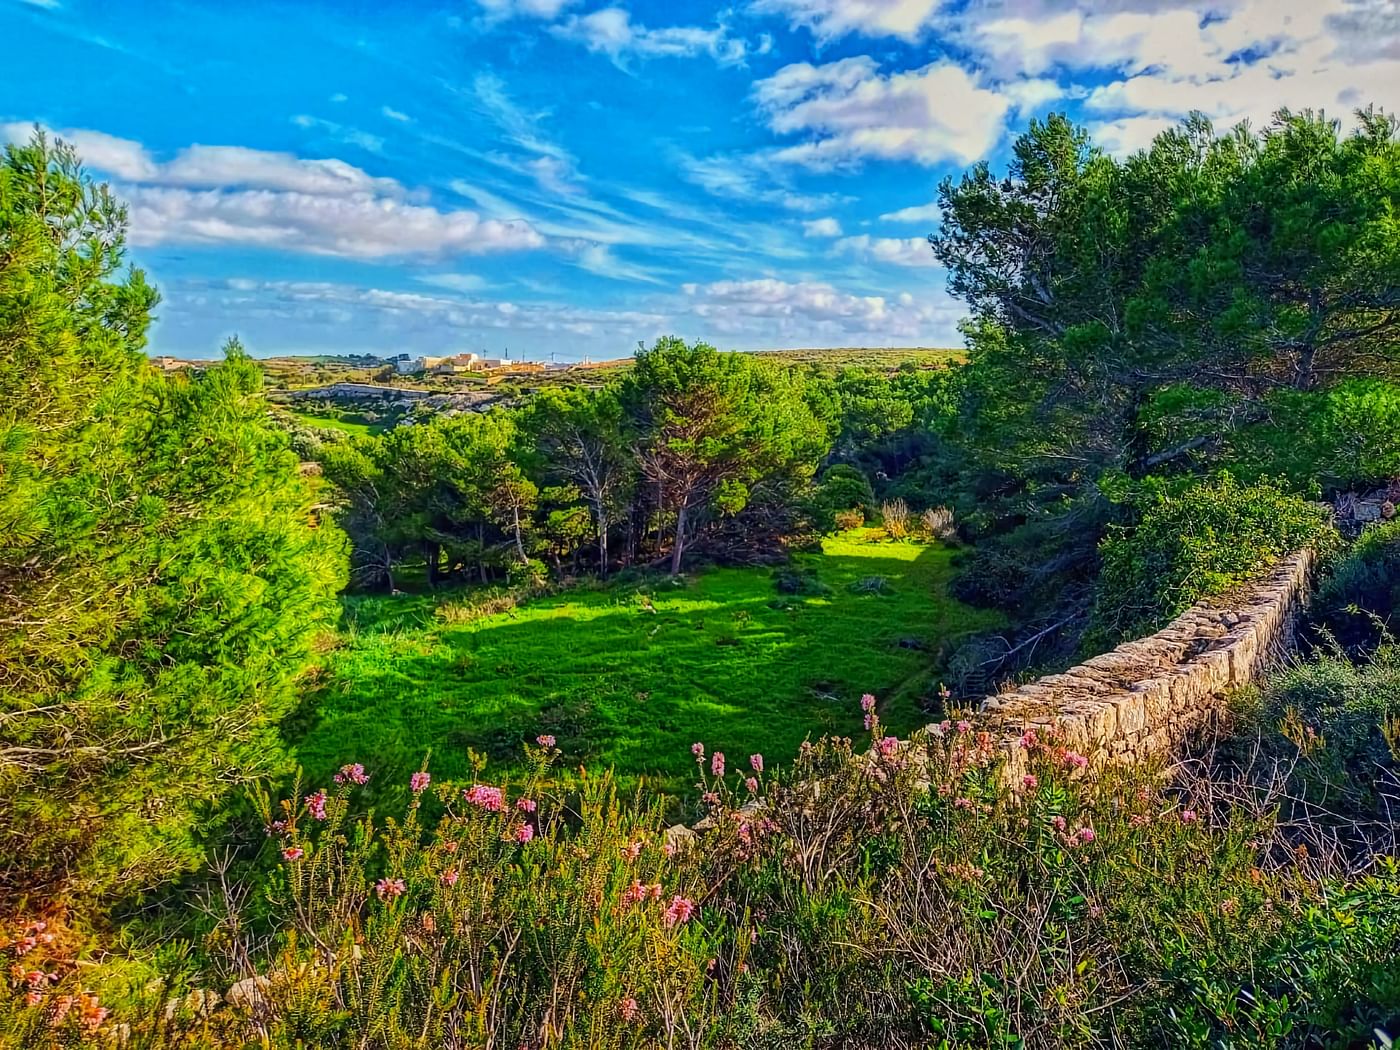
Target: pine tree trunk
[
  {"x": 678, "y": 547},
  {"x": 602, "y": 545}
]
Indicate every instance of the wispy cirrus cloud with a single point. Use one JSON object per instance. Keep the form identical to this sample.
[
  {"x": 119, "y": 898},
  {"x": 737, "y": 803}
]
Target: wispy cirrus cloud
[
  {"x": 831, "y": 19},
  {"x": 611, "y": 31},
  {"x": 547, "y": 10}
]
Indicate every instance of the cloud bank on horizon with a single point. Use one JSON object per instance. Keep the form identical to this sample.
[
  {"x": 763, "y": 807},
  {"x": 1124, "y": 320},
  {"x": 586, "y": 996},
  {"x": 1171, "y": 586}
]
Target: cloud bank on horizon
[{"x": 568, "y": 177}]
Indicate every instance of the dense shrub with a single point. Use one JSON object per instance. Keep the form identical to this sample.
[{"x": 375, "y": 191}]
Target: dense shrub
[
  {"x": 1356, "y": 604},
  {"x": 163, "y": 571},
  {"x": 1336, "y": 720},
  {"x": 895, "y": 898},
  {"x": 1201, "y": 540},
  {"x": 844, "y": 488}
]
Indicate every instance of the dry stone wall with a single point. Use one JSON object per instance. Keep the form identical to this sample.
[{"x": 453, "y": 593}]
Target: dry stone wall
[{"x": 1147, "y": 696}]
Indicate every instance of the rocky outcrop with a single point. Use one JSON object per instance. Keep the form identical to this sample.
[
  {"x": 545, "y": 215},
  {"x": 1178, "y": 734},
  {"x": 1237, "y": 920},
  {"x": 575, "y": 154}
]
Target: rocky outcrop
[{"x": 1147, "y": 696}]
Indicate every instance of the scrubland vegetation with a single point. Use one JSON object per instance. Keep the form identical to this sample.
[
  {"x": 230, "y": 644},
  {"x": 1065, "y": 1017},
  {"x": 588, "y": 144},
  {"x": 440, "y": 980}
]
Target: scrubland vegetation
[{"x": 644, "y": 718}]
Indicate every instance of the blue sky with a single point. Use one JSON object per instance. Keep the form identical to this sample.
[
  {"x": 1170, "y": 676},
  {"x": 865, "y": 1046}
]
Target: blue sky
[{"x": 567, "y": 177}]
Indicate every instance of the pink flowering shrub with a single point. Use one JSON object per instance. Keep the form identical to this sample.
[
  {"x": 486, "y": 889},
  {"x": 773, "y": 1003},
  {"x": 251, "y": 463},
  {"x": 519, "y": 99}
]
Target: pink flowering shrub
[
  {"x": 536, "y": 909},
  {"x": 880, "y": 892}
]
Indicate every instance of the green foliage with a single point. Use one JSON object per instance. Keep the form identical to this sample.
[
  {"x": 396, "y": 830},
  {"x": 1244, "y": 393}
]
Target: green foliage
[
  {"x": 1358, "y": 601},
  {"x": 1215, "y": 301},
  {"x": 629, "y": 674},
  {"x": 711, "y": 428},
  {"x": 1338, "y": 721},
  {"x": 1196, "y": 541},
  {"x": 162, "y": 571},
  {"x": 869, "y": 900},
  {"x": 843, "y": 488}
]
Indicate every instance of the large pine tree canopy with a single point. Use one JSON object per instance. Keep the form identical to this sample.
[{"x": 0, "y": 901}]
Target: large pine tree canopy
[{"x": 163, "y": 571}]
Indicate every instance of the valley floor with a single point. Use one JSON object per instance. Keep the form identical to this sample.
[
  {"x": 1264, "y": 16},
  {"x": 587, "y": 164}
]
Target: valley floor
[{"x": 628, "y": 676}]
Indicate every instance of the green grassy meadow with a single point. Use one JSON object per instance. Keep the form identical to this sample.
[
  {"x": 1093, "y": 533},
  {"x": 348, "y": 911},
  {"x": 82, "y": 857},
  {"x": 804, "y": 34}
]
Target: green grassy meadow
[
  {"x": 628, "y": 676},
  {"x": 353, "y": 425}
]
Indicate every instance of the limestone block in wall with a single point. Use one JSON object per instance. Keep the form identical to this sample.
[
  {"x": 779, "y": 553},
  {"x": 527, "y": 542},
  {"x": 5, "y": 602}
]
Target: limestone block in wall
[
  {"x": 1098, "y": 719},
  {"x": 1214, "y": 666},
  {"x": 1131, "y": 715},
  {"x": 1243, "y": 647},
  {"x": 1076, "y": 683}
]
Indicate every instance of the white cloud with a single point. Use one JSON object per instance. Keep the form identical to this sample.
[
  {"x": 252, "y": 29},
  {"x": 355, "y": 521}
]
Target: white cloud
[
  {"x": 829, "y": 19},
  {"x": 395, "y": 114},
  {"x": 827, "y": 227},
  {"x": 339, "y": 97},
  {"x": 543, "y": 9},
  {"x": 852, "y": 112},
  {"x": 916, "y": 213},
  {"x": 1301, "y": 55},
  {"x": 816, "y": 313},
  {"x": 237, "y": 195},
  {"x": 1128, "y": 134},
  {"x": 360, "y": 226},
  {"x": 1232, "y": 59},
  {"x": 120, "y": 157},
  {"x": 894, "y": 251},
  {"x": 612, "y": 32}
]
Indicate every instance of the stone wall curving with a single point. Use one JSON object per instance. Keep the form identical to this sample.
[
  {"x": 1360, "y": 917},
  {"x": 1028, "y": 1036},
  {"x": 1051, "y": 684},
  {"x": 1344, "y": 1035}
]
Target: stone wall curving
[{"x": 1147, "y": 696}]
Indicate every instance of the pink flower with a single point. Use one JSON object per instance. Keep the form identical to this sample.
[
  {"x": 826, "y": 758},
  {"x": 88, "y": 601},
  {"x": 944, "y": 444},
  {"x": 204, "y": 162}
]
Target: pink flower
[
  {"x": 667, "y": 850},
  {"x": 678, "y": 911},
  {"x": 352, "y": 772},
  {"x": 1029, "y": 782},
  {"x": 752, "y": 784},
  {"x": 390, "y": 889},
  {"x": 524, "y": 833},
  {"x": 698, "y": 750},
  {"x": 449, "y": 877},
  {"x": 944, "y": 692},
  {"x": 419, "y": 781},
  {"x": 964, "y": 726},
  {"x": 1029, "y": 740},
  {"x": 888, "y": 746},
  {"x": 1086, "y": 835},
  {"x": 1074, "y": 760},
  {"x": 525, "y": 805},
  {"x": 632, "y": 850},
  {"x": 867, "y": 703},
  {"x": 962, "y": 803},
  {"x": 277, "y": 827},
  {"x": 710, "y": 798},
  {"x": 1059, "y": 823},
  {"x": 316, "y": 805},
  {"x": 1188, "y": 816},
  {"x": 292, "y": 853},
  {"x": 486, "y": 797},
  {"x": 545, "y": 740},
  {"x": 756, "y": 763},
  {"x": 717, "y": 764},
  {"x": 33, "y": 998},
  {"x": 627, "y": 1009}
]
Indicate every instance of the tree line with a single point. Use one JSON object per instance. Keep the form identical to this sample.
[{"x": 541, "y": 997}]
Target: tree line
[{"x": 692, "y": 450}]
